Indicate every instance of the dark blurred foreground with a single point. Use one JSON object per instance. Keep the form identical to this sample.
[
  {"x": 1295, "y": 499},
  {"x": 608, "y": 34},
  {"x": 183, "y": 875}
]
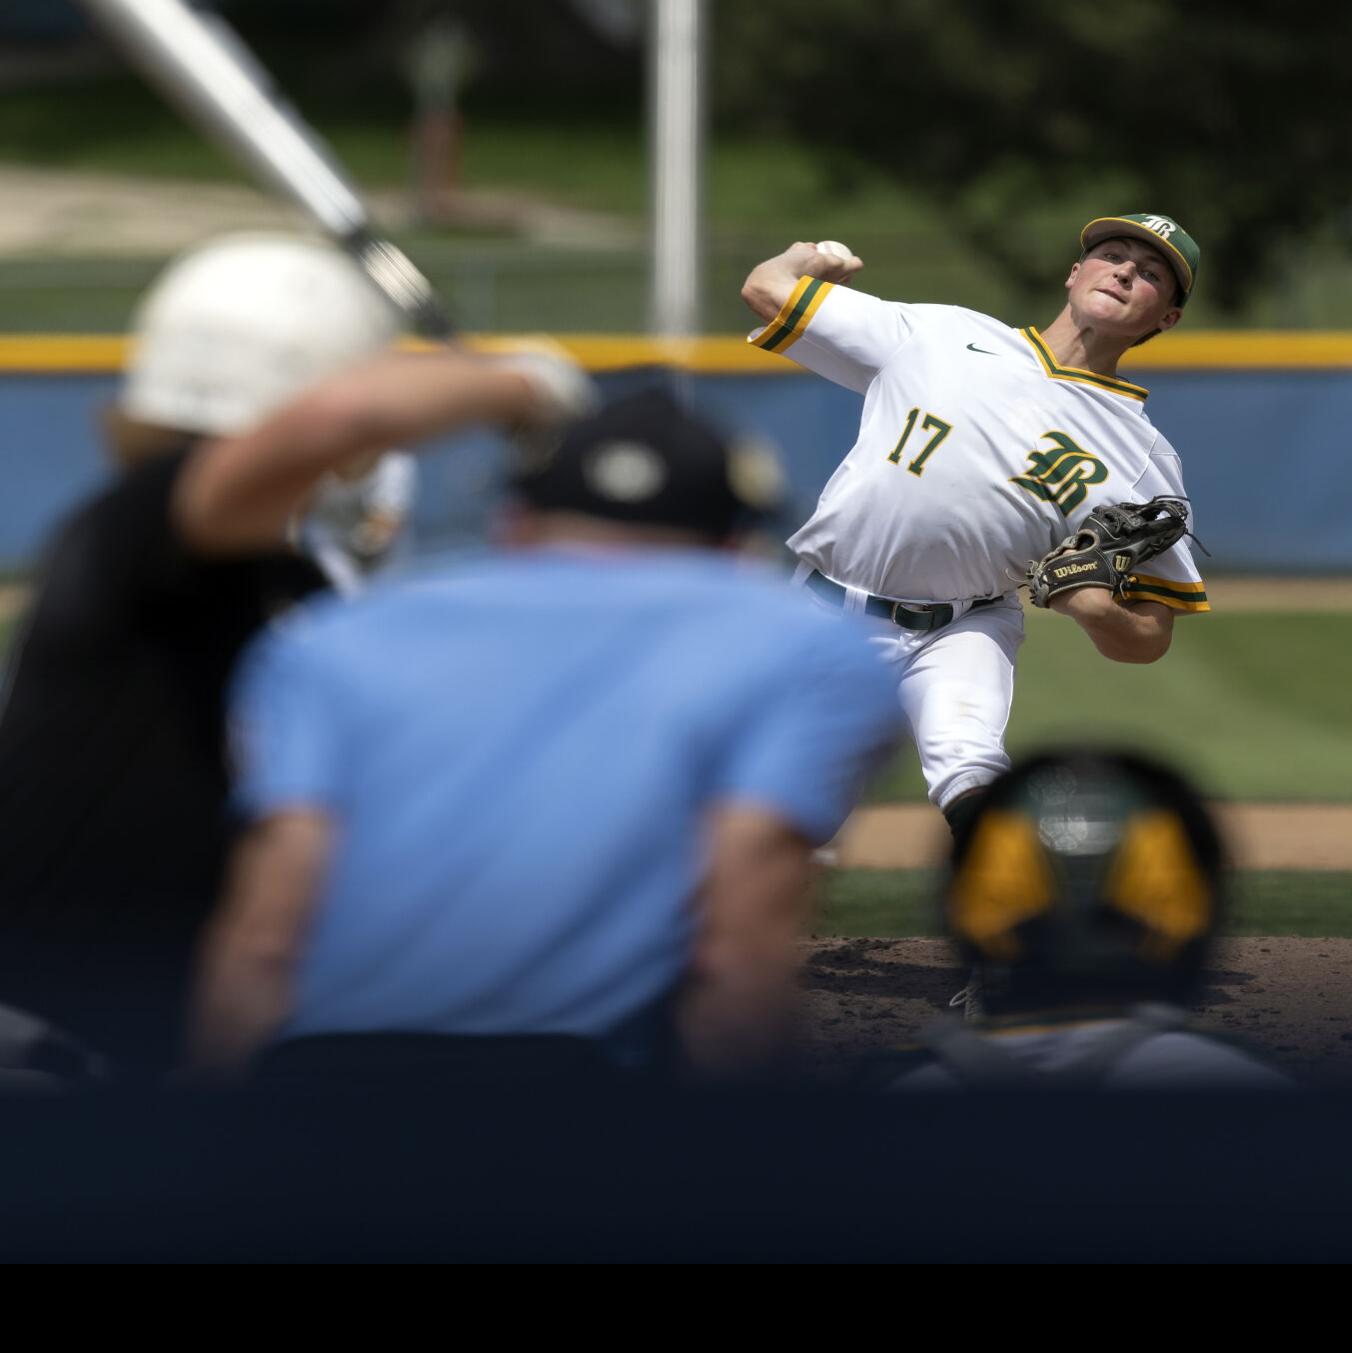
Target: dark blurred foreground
[{"x": 610, "y": 1176}]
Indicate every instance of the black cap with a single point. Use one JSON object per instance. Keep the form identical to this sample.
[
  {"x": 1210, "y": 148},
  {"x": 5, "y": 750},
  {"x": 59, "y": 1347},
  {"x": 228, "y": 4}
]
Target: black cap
[{"x": 646, "y": 461}]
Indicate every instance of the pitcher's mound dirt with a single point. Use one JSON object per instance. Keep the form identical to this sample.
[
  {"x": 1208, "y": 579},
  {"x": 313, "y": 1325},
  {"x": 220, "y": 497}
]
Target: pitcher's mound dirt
[
  {"x": 1260, "y": 836},
  {"x": 1289, "y": 999}
]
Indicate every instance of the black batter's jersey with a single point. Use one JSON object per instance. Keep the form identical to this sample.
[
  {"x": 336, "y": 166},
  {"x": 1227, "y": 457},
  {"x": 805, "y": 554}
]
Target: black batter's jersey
[{"x": 113, "y": 786}]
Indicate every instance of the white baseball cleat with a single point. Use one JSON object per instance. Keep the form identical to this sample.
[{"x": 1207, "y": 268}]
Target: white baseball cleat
[{"x": 969, "y": 998}]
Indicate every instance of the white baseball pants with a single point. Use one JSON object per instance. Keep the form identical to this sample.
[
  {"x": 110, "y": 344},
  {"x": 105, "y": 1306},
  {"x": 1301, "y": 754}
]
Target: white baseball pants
[{"x": 956, "y": 686}]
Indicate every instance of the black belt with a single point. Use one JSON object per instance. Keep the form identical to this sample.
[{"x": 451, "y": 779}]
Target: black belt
[{"x": 910, "y": 616}]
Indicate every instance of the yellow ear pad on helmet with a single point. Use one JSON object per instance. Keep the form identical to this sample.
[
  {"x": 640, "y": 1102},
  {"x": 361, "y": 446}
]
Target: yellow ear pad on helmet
[
  {"x": 1155, "y": 879},
  {"x": 1004, "y": 880}
]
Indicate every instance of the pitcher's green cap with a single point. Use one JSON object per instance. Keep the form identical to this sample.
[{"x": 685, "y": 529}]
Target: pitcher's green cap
[{"x": 1162, "y": 231}]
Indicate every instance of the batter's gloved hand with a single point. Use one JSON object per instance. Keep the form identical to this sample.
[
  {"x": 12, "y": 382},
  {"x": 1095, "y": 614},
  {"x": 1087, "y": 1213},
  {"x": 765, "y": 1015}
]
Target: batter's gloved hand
[
  {"x": 1113, "y": 541},
  {"x": 562, "y": 390}
]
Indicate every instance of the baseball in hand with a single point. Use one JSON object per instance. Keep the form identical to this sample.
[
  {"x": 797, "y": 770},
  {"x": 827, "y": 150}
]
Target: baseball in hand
[{"x": 835, "y": 249}]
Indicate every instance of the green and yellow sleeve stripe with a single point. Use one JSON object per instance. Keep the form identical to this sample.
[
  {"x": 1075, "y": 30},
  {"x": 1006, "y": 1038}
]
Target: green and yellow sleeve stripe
[
  {"x": 794, "y": 316},
  {"x": 1169, "y": 592}
]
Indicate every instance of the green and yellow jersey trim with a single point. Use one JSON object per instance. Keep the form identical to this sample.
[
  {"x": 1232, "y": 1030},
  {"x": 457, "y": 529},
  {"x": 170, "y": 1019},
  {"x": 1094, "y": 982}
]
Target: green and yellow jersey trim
[
  {"x": 794, "y": 316},
  {"x": 1079, "y": 374},
  {"x": 1169, "y": 592}
]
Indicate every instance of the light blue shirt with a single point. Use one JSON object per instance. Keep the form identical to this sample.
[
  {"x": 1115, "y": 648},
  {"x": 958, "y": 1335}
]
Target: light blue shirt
[{"x": 519, "y": 755}]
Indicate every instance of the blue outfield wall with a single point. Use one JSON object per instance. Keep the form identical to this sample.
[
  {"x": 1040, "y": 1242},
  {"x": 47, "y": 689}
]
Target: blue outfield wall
[{"x": 1267, "y": 455}]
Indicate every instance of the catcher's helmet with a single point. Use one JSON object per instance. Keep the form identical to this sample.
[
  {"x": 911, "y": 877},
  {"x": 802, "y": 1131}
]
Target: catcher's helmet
[
  {"x": 1086, "y": 878},
  {"x": 233, "y": 329}
]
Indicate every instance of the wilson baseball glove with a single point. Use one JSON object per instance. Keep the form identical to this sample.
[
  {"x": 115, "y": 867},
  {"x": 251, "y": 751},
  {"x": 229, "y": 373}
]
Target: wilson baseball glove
[{"x": 1111, "y": 544}]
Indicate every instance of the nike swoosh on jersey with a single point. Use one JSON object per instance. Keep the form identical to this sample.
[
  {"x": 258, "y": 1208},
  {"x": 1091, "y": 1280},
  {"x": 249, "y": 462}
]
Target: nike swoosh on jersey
[{"x": 972, "y": 347}]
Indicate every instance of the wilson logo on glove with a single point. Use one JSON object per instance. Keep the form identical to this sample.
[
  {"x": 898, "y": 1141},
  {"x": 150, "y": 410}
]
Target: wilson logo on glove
[{"x": 1113, "y": 543}]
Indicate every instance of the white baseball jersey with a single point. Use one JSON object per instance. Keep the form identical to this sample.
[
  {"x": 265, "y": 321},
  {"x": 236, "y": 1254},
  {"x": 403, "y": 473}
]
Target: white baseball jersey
[
  {"x": 388, "y": 489},
  {"x": 976, "y": 453},
  {"x": 353, "y": 524}
]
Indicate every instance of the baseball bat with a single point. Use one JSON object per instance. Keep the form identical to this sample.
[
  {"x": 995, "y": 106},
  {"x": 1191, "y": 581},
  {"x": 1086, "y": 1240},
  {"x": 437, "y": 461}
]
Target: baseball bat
[{"x": 198, "y": 62}]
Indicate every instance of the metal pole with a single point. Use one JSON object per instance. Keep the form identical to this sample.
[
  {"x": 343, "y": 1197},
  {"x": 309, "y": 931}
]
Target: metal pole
[{"x": 676, "y": 113}]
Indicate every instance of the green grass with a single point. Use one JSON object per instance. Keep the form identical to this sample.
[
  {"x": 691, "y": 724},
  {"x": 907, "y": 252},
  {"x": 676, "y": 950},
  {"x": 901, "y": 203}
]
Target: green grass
[
  {"x": 879, "y": 902},
  {"x": 1278, "y": 903},
  {"x": 901, "y": 902},
  {"x": 1253, "y": 705},
  {"x": 125, "y": 131},
  {"x": 760, "y": 195}
]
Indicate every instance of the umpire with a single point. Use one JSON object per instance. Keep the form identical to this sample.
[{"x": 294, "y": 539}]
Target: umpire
[
  {"x": 553, "y": 809},
  {"x": 113, "y": 825}
]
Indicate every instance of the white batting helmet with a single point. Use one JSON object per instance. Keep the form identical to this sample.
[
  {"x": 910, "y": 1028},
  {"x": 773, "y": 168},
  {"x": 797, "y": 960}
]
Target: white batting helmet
[{"x": 232, "y": 329}]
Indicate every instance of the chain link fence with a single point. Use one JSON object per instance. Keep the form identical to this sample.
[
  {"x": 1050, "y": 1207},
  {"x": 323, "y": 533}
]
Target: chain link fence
[
  {"x": 509, "y": 286},
  {"x": 514, "y": 286}
]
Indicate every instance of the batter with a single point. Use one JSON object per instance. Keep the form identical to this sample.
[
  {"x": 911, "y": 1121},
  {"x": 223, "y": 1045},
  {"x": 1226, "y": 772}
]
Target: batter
[{"x": 980, "y": 447}]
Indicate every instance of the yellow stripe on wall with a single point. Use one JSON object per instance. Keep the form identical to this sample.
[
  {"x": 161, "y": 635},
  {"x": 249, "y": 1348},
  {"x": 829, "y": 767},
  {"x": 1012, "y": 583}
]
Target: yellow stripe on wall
[
  {"x": 103, "y": 353},
  {"x": 733, "y": 355},
  {"x": 61, "y": 352},
  {"x": 1250, "y": 350}
]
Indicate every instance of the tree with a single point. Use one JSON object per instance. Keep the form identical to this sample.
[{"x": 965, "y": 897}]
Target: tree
[{"x": 1231, "y": 118}]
